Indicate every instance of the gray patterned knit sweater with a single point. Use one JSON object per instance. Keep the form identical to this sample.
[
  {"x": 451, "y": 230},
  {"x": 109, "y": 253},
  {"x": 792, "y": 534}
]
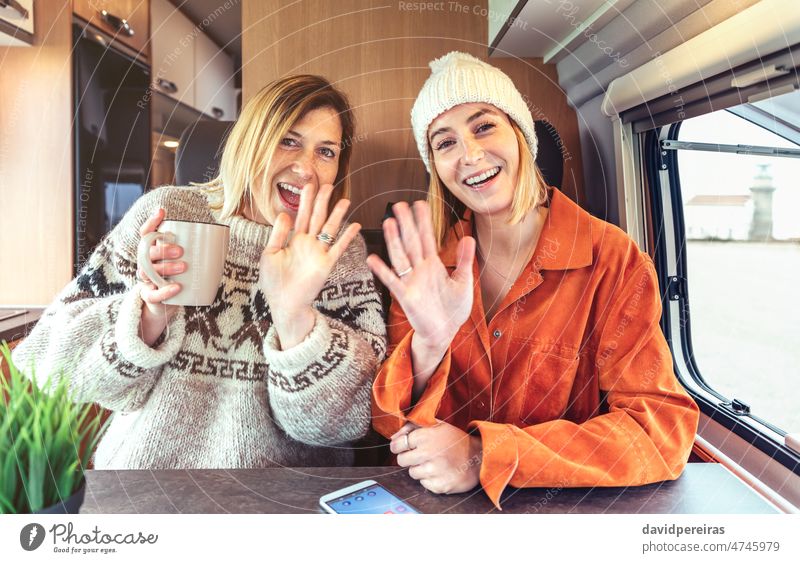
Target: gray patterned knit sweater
[{"x": 216, "y": 391}]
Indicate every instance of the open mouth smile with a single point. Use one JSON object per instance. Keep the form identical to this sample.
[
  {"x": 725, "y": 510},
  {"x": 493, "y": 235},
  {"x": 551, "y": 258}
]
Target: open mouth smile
[
  {"x": 290, "y": 195},
  {"x": 482, "y": 179}
]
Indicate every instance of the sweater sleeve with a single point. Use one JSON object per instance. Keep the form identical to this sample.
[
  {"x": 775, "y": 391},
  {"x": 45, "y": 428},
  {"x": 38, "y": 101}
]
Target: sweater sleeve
[
  {"x": 391, "y": 393},
  {"x": 649, "y": 429},
  {"x": 90, "y": 333},
  {"x": 319, "y": 390}
]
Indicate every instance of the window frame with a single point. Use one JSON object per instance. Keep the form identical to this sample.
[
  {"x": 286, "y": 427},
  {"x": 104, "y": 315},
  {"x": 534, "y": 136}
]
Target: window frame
[{"x": 667, "y": 240}]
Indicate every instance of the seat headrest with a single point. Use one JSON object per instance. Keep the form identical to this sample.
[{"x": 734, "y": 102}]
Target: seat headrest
[
  {"x": 199, "y": 152},
  {"x": 550, "y": 156}
]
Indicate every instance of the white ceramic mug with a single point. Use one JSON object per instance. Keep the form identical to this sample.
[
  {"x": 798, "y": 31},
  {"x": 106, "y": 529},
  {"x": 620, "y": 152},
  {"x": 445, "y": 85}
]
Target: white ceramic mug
[{"x": 205, "y": 246}]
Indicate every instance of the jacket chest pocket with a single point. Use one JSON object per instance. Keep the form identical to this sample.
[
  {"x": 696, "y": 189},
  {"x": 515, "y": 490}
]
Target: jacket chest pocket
[{"x": 546, "y": 386}]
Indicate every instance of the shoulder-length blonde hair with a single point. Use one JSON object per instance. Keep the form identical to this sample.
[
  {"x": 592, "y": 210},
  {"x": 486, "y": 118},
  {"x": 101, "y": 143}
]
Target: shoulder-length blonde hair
[
  {"x": 530, "y": 192},
  {"x": 264, "y": 121}
]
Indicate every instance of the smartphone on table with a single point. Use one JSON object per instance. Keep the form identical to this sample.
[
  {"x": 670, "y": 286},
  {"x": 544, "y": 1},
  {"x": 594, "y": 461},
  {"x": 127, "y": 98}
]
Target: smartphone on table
[{"x": 366, "y": 497}]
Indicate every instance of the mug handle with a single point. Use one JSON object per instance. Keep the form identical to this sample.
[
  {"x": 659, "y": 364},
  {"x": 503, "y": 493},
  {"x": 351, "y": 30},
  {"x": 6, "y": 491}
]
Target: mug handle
[{"x": 143, "y": 256}]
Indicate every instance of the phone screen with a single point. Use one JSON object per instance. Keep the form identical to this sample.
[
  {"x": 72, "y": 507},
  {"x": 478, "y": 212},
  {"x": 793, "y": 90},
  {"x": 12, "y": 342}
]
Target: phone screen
[{"x": 373, "y": 499}]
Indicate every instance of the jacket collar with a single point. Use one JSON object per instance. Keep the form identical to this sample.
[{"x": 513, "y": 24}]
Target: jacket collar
[{"x": 564, "y": 244}]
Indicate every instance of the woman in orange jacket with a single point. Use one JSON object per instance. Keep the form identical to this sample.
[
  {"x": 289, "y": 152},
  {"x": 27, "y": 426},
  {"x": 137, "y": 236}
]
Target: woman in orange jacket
[{"x": 524, "y": 333}]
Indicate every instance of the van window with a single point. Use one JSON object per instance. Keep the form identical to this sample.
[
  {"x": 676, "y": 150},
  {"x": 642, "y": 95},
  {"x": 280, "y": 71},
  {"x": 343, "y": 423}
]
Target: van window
[{"x": 742, "y": 232}]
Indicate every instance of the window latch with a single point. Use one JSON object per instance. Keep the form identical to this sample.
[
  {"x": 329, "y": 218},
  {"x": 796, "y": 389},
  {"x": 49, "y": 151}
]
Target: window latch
[
  {"x": 677, "y": 288},
  {"x": 737, "y": 407}
]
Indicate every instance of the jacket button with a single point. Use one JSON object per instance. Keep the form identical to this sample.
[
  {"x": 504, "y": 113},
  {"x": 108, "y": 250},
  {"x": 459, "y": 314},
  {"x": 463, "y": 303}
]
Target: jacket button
[{"x": 497, "y": 333}]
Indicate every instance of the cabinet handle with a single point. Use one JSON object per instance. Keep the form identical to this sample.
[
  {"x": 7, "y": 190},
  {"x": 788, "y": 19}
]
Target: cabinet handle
[
  {"x": 167, "y": 85},
  {"x": 119, "y": 24},
  {"x": 14, "y": 5},
  {"x": 217, "y": 112}
]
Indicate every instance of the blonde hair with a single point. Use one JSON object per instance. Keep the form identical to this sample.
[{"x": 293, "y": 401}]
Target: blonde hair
[
  {"x": 264, "y": 121},
  {"x": 529, "y": 193}
]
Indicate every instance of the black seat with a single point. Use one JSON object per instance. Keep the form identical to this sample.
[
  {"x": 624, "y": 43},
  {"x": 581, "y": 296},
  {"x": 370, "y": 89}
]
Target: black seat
[
  {"x": 199, "y": 152},
  {"x": 549, "y": 155}
]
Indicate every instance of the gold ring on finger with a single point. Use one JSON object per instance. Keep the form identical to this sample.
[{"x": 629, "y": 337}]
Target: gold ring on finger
[{"x": 405, "y": 272}]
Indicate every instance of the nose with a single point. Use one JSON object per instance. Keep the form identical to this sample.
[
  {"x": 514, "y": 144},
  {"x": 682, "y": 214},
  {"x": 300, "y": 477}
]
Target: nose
[
  {"x": 303, "y": 167},
  {"x": 473, "y": 151}
]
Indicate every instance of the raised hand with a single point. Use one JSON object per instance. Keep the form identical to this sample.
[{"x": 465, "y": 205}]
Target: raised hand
[
  {"x": 435, "y": 302},
  {"x": 294, "y": 268}
]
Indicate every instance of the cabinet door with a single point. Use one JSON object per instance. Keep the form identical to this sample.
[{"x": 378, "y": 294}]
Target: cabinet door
[
  {"x": 214, "y": 92},
  {"x": 15, "y": 18},
  {"x": 174, "y": 38},
  {"x": 127, "y": 20}
]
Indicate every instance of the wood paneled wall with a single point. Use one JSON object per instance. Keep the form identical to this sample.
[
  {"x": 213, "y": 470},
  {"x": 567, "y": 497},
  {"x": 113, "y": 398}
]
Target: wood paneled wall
[
  {"x": 36, "y": 205},
  {"x": 377, "y": 51}
]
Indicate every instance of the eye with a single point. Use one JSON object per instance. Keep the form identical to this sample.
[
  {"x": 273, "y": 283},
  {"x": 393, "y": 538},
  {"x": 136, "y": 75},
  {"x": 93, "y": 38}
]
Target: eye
[
  {"x": 443, "y": 144},
  {"x": 483, "y": 127},
  {"x": 289, "y": 142},
  {"x": 327, "y": 152}
]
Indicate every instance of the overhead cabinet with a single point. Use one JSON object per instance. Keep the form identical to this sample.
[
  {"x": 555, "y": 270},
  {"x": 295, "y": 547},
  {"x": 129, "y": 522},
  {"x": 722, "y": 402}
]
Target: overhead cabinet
[
  {"x": 126, "y": 20},
  {"x": 173, "y": 52},
  {"x": 214, "y": 92},
  {"x": 16, "y": 23},
  {"x": 188, "y": 66}
]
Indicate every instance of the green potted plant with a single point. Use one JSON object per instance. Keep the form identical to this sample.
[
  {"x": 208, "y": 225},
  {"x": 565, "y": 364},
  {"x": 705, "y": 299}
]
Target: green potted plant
[{"x": 42, "y": 430}]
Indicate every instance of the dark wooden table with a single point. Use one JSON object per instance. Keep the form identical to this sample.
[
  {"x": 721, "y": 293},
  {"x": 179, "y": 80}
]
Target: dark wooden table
[{"x": 704, "y": 488}]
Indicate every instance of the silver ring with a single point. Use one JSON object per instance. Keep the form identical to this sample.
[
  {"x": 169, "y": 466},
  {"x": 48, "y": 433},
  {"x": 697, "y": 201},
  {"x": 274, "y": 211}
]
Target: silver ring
[
  {"x": 408, "y": 445},
  {"x": 405, "y": 272},
  {"x": 326, "y": 238}
]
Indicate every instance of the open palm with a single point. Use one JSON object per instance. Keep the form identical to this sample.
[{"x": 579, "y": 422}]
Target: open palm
[
  {"x": 294, "y": 268},
  {"x": 435, "y": 302}
]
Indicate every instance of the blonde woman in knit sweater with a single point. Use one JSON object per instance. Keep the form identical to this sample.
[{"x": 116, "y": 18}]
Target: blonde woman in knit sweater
[{"x": 277, "y": 371}]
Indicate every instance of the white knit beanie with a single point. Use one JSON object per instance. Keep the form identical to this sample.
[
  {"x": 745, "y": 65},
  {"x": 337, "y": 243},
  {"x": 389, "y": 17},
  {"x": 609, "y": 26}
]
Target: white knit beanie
[{"x": 459, "y": 78}]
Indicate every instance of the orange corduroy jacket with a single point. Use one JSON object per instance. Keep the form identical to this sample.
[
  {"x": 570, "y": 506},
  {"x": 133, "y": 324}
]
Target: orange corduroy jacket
[{"x": 571, "y": 383}]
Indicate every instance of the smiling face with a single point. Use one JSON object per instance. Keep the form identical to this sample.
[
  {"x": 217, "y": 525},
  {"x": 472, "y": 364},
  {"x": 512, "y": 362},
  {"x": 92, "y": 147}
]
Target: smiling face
[
  {"x": 476, "y": 155},
  {"x": 307, "y": 154}
]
